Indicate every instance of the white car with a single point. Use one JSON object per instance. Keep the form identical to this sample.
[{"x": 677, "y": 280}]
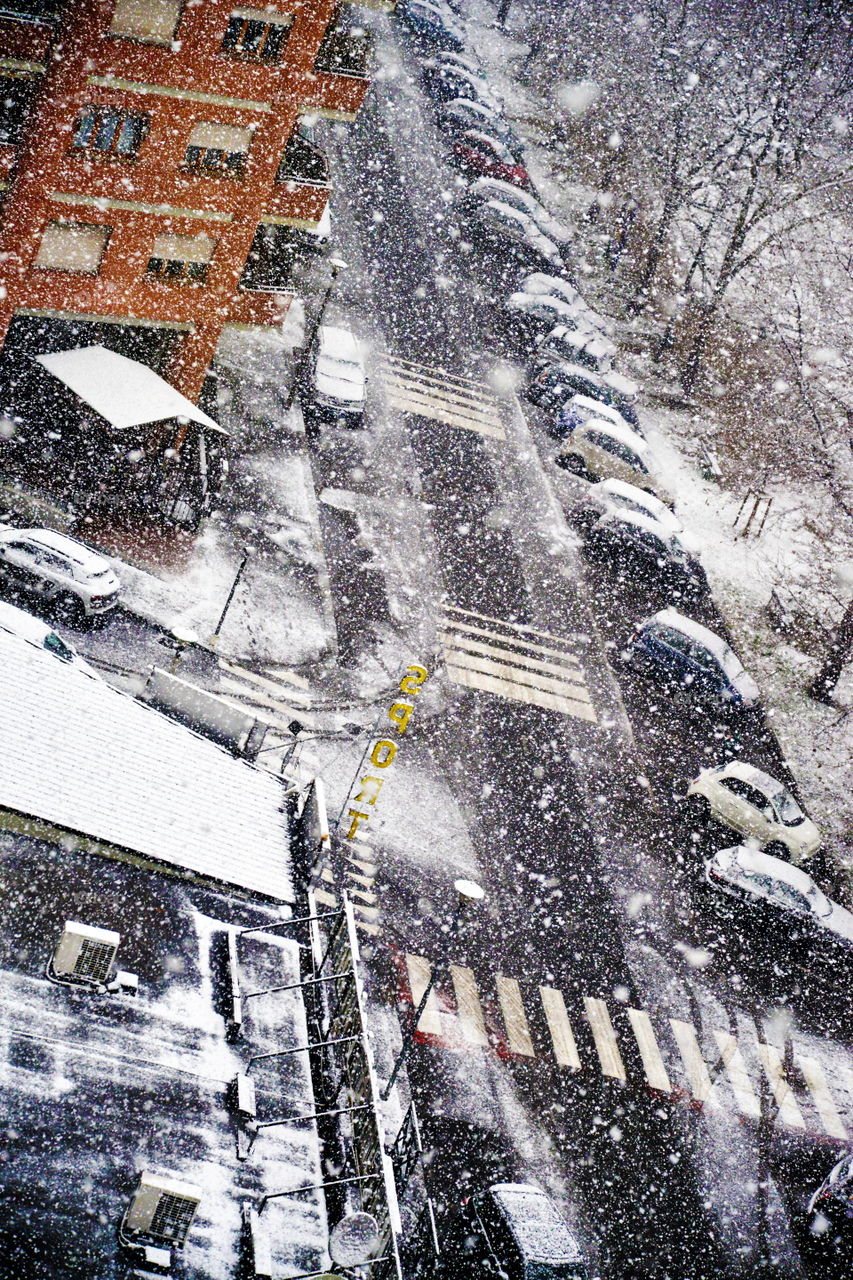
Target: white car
[
  {"x": 73, "y": 579},
  {"x": 32, "y": 630},
  {"x": 617, "y": 496},
  {"x": 755, "y": 805},
  {"x": 336, "y": 383},
  {"x": 599, "y": 450},
  {"x": 495, "y": 189},
  {"x": 783, "y": 897}
]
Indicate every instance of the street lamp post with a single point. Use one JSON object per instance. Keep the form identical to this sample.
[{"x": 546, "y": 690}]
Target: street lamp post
[
  {"x": 247, "y": 551},
  {"x": 337, "y": 265},
  {"x": 468, "y": 893}
]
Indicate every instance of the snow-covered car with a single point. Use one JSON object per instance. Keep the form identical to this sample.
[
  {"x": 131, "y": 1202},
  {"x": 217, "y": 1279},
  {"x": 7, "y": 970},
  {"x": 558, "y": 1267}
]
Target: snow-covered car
[
  {"x": 461, "y": 114},
  {"x": 493, "y": 189},
  {"x": 335, "y": 384},
  {"x": 513, "y": 1230},
  {"x": 643, "y": 546},
  {"x": 533, "y": 315},
  {"x": 554, "y": 384},
  {"x": 580, "y": 409},
  {"x": 443, "y": 82},
  {"x": 577, "y": 346},
  {"x": 780, "y": 897},
  {"x": 752, "y": 803},
  {"x": 599, "y": 450},
  {"x": 447, "y": 58},
  {"x": 833, "y": 1200},
  {"x": 31, "y": 629},
  {"x": 540, "y": 282},
  {"x": 513, "y": 232},
  {"x": 481, "y": 153},
  {"x": 620, "y": 497},
  {"x": 433, "y": 23},
  {"x": 677, "y": 652},
  {"x": 73, "y": 579}
]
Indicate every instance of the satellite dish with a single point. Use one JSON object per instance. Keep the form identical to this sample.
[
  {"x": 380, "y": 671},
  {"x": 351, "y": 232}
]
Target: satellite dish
[{"x": 354, "y": 1240}]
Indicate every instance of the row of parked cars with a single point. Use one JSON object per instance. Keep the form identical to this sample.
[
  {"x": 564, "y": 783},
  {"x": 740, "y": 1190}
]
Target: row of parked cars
[{"x": 626, "y": 518}]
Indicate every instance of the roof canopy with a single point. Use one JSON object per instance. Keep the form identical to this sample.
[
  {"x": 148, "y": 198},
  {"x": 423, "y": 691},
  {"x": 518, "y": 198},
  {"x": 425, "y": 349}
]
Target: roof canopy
[
  {"x": 124, "y": 392},
  {"x": 84, "y": 757}
]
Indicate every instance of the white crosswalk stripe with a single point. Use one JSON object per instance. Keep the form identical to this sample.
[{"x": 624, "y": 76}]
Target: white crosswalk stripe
[
  {"x": 277, "y": 696},
  {"x": 443, "y": 397},
  {"x": 717, "y": 1077},
  {"x": 515, "y": 661}
]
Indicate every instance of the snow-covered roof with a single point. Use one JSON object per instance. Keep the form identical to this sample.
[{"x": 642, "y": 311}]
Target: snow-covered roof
[
  {"x": 84, "y": 757},
  {"x": 124, "y": 392}
]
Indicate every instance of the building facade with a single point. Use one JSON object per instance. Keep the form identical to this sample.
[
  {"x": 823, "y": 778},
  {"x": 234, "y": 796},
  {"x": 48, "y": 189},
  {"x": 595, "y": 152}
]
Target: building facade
[{"x": 158, "y": 168}]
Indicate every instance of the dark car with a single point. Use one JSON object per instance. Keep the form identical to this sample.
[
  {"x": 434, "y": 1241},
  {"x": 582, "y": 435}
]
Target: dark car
[
  {"x": 515, "y": 1231},
  {"x": 552, "y": 384},
  {"x": 640, "y": 544},
  {"x": 443, "y": 81},
  {"x": 433, "y": 24},
  {"x": 833, "y": 1199},
  {"x": 482, "y": 154},
  {"x": 461, "y": 114}
]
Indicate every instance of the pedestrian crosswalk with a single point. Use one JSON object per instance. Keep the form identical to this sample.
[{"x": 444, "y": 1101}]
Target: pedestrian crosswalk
[
  {"x": 443, "y": 397},
  {"x": 714, "y": 1069},
  {"x": 354, "y": 869},
  {"x": 515, "y": 661},
  {"x": 277, "y": 695}
]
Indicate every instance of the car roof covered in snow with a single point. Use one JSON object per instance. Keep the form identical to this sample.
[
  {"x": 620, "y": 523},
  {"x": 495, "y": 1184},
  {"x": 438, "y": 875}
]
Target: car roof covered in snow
[
  {"x": 339, "y": 344},
  {"x": 755, "y": 862},
  {"x": 70, "y": 547},
  {"x": 715, "y": 644},
  {"x": 84, "y": 757},
  {"x": 623, "y": 434},
  {"x": 124, "y": 392}
]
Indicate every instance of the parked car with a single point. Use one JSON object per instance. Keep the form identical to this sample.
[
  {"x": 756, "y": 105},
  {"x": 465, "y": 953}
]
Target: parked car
[
  {"x": 434, "y": 24},
  {"x": 678, "y": 652},
  {"x": 442, "y": 81},
  {"x": 480, "y": 153},
  {"x": 561, "y": 287},
  {"x": 512, "y": 1230},
  {"x": 599, "y": 450},
  {"x": 578, "y": 347},
  {"x": 553, "y": 386},
  {"x": 511, "y": 232},
  {"x": 833, "y": 1199},
  {"x": 618, "y": 496},
  {"x": 461, "y": 114},
  {"x": 639, "y": 543},
  {"x": 39, "y": 564},
  {"x": 757, "y": 806},
  {"x": 533, "y": 315},
  {"x": 31, "y": 629},
  {"x": 580, "y": 409},
  {"x": 447, "y": 58},
  {"x": 780, "y": 897},
  {"x": 493, "y": 189},
  {"x": 334, "y": 386}
]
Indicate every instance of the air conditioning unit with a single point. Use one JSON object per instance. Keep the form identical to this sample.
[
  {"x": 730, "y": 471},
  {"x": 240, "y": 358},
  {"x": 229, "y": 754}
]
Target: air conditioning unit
[
  {"x": 162, "y": 1209},
  {"x": 85, "y": 954}
]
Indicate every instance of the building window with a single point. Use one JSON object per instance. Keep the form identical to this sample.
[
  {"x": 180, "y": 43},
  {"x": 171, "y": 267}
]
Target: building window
[
  {"x": 110, "y": 131},
  {"x": 257, "y": 33},
  {"x": 303, "y": 161},
  {"x": 151, "y": 20},
  {"x": 39, "y": 10},
  {"x": 181, "y": 257},
  {"x": 218, "y": 149},
  {"x": 347, "y": 46},
  {"x": 16, "y": 98},
  {"x": 72, "y": 246},
  {"x": 281, "y": 257}
]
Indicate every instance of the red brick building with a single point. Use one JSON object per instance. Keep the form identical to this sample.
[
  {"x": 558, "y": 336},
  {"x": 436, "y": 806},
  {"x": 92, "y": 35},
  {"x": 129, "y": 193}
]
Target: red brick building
[{"x": 157, "y": 177}]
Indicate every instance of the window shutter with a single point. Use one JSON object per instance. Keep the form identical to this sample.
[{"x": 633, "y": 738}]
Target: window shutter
[
  {"x": 183, "y": 248},
  {"x": 153, "y": 20},
  {"x": 72, "y": 247},
  {"x": 221, "y": 137}
]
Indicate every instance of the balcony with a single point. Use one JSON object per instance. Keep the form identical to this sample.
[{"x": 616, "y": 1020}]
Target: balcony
[{"x": 40, "y": 11}]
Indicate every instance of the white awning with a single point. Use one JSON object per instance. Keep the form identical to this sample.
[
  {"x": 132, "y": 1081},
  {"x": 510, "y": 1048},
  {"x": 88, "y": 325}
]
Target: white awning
[{"x": 124, "y": 392}]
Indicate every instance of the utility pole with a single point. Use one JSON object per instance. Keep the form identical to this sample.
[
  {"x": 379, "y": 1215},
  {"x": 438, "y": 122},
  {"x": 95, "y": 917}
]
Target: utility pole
[
  {"x": 840, "y": 651},
  {"x": 337, "y": 265}
]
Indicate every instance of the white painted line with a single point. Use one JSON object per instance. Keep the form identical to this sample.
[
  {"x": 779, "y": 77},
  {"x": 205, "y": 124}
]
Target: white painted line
[
  {"x": 510, "y": 643},
  {"x": 373, "y": 929},
  {"x": 788, "y": 1108},
  {"x": 515, "y": 1019},
  {"x": 562, "y": 1037},
  {"x": 606, "y": 1045},
  {"x": 533, "y": 697},
  {"x": 570, "y": 671},
  {"x": 264, "y": 682},
  {"x": 698, "y": 1080},
  {"x": 517, "y": 626},
  {"x": 823, "y": 1099},
  {"x": 570, "y": 686},
  {"x": 409, "y": 403},
  {"x": 468, "y": 1006},
  {"x": 326, "y": 899},
  {"x": 653, "y": 1063},
  {"x": 739, "y": 1080},
  {"x": 466, "y": 398},
  {"x": 419, "y": 975},
  {"x": 430, "y": 370},
  {"x": 251, "y": 697}
]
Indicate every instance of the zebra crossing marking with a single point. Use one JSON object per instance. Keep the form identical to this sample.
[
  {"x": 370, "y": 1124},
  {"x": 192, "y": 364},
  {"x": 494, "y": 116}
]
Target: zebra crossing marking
[
  {"x": 507, "y": 663},
  {"x": 466, "y": 1029},
  {"x": 430, "y": 392}
]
